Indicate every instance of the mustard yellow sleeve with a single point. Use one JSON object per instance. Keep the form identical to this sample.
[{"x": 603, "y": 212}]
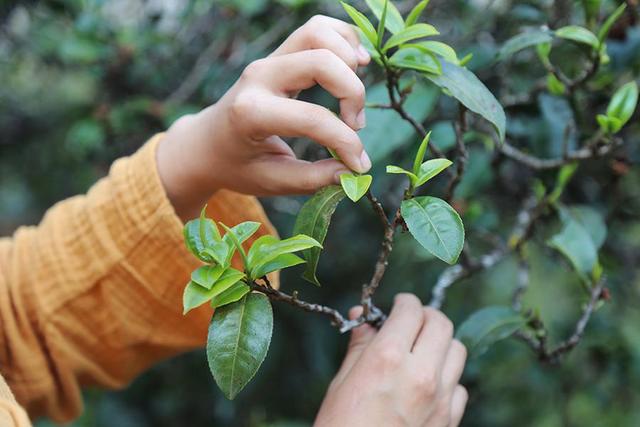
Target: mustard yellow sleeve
[{"x": 93, "y": 294}]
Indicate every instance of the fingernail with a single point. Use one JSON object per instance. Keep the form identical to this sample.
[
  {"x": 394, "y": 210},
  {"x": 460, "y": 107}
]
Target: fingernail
[
  {"x": 365, "y": 161},
  {"x": 361, "y": 119},
  {"x": 363, "y": 54}
]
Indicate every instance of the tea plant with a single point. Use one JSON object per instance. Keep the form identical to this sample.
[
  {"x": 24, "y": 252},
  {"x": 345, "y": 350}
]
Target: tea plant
[{"x": 403, "y": 48}]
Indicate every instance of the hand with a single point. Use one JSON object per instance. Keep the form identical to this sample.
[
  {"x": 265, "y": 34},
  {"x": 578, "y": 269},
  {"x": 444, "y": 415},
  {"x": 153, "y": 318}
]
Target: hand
[
  {"x": 236, "y": 143},
  {"x": 405, "y": 375}
]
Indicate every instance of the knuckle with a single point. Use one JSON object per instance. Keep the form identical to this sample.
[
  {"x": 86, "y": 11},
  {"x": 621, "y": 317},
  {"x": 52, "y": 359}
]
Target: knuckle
[
  {"x": 324, "y": 56},
  {"x": 427, "y": 385},
  {"x": 459, "y": 348},
  {"x": 241, "y": 106},
  {"x": 309, "y": 181},
  {"x": 389, "y": 356},
  {"x": 444, "y": 323},
  {"x": 408, "y": 301},
  {"x": 253, "y": 69},
  {"x": 317, "y": 20}
]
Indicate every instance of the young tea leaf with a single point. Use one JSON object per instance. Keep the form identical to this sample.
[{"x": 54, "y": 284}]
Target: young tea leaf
[
  {"x": 399, "y": 170},
  {"x": 435, "y": 225},
  {"x": 487, "y": 326},
  {"x": 441, "y": 49},
  {"x": 313, "y": 220},
  {"x": 238, "y": 341},
  {"x": 623, "y": 103},
  {"x": 362, "y": 23},
  {"x": 463, "y": 85},
  {"x": 415, "y": 13},
  {"x": 196, "y": 295},
  {"x": 606, "y": 26},
  {"x": 412, "y": 58},
  {"x": 207, "y": 275},
  {"x": 198, "y": 234},
  {"x": 231, "y": 295},
  {"x": 264, "y": 250},
  {"x": 278, "y": 263},
  {"x": 578, "y": 34},
  {"x": 381, "y": 24},
  {"x": 219, "y": 251},
  {"x": 430, "y": 169},
  {"x": 393, "y": 21},
  {"x": 413, "y": 32},
  {"x": 355, "y": 186}
]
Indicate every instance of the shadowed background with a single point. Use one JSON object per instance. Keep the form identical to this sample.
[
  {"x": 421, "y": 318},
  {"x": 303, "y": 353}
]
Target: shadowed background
[{"x": 85, "y": 82}]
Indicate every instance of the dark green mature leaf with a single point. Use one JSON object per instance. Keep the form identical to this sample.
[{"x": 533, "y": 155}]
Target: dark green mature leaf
[
  {"x": 393, "y": 22},
  {"x": 435, "y": 225},
  {"x": 413, "y": 32},
  {"x": 575, "y": 243},
  {"x": 578, "y": 34},
  {"x": 463, "y": 85},
  {"x": 231, "y": 295},
  {"x": 207, "y": 275},
  {"x": 384, "y": 133},
  {"x": 278, "y": 263},
  {"x": 431, "y": 168},
  {"x": 590, "y": 219},
  {"x": 362, "y": 23},
  {"x": 487, "y": 326},
  {"x": 415, "y": 13},
  {"x": 313, "y": 220},
  {"x": 238, "y": 341},
  {"x": 523, "y": 41},
  {"x": 416, "y": 59},
  {"x": 355, "y": 186},
  {"x": 196, "y": 295}
]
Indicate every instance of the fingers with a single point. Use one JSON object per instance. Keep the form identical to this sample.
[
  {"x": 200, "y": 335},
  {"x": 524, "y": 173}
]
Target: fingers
[
  {"x": 322, "y": 32},
  {"x": 267, "y": 115},
  {"x": 453, "y": 366},
  {"x": 360, "y": 339},
  {"x": 432, "y": 345},
  {"x": 288, "y": 74},
  {"x": 403, "y": 325},
  {"x": 458, "y": 404},
  {"x": 288, "y": 175}
]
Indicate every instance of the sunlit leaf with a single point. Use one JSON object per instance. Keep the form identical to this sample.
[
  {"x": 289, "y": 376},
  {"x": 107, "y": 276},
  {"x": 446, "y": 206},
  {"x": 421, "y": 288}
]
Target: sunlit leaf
[
  {"x": 606, "y": 26},
  {"x": 430, "y": 169},
  {"x": 416, "y": 59},
  {"x": 438, "y": 48},
  {"x": 362, "y": 23},
  {"x": 355, "y": 186},
  {"x": 196, "y": 295},
  {"x": 415, "y": 13},
  {"x": 231, "y": 295},
  {"x": 193, "y": 237},
  {"x": 578, "y": 34},
  {"x": 265, "y": 249},
  {"x": 393, "y": 22},
  {"x": 207, "y": 275},
  {"x": 278, "y": 263},
  {"x": 413, "y": 32},
  {"x": 623, "y": 103},
  {"x": 523, "y": 41},
  {"x": 575, "y": 243},
  {"x": 238, "y": 341}
]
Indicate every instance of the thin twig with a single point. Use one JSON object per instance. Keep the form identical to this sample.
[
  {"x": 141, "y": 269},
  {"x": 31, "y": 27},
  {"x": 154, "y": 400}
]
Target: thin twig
[{"x": 462, "y": 154}]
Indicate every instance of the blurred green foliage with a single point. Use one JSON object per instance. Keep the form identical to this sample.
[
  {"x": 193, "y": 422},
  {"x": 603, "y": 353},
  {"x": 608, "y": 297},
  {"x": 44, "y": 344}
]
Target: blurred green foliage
[{"x": 84, "y": 82}]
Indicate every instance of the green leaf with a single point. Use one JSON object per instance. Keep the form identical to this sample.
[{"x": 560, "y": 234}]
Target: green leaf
[
  {"x": 416, "y": 59},
  {"x": 430, "y": 169},
  {"x": 362, "y": 23},
  {"x": 435, "y": 225},
  {"x": 422, "y": 149},
  {"x": 609, "y": 124},
  {"x": 381, "y": 24},
  {"x": 575, "y": 243},
  {"x": 623, "y": 103},
  {"x": 278, "y": 263},
  {"x": 589, "y": 218},
  {"x": 487, "y": 326},
  {"x": 393, "y": 22},
  {"x": 413, "y": 32},
  {"x": 207, "y": 275},
  {"x": 243, "y": 231},
  {"x": 606, "y": 26},
  {"x": 198, "y": 234},
  {"x": 238, "y": 341},
  {"x": 313, "y": 220},
  {"x": 196, "y": 295},
  {"x": 438, "y": 48},
  {"x": 565, "y": 174},
  {"x": 415, "y": 13},
  {"x": 219, "y": 251},
  {"x": 578, "y": 34},
  {"x": 355, "y": 186},
  {"x": 463, "y": 85},
  {"x": 523, "y": 41},
  {"x": 555, "y": 86},
  {"x": 266, "y": 249},
  {"x": 231, "y": 295},
  {"x": 234, "y": 242},
  {"x": 399, "y": 170}
]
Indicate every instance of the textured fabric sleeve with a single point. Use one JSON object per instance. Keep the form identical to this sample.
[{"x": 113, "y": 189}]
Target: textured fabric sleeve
[{"x": 93, "y": 294}]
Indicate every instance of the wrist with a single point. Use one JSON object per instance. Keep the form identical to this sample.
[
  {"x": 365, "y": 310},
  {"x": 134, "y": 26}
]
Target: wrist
[{"x": 185, "y": 163}]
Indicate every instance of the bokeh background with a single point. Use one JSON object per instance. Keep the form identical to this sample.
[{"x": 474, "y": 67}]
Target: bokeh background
[{"x": 83, "y": 82}]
